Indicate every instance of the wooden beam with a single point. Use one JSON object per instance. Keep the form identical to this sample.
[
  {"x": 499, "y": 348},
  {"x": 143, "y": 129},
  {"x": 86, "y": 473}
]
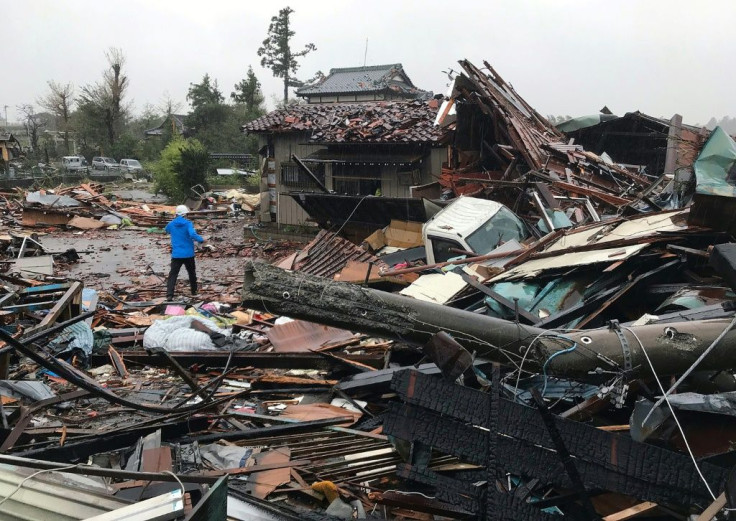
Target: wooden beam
[
  {"x": 713, "y": 509},
  {"x": 72, "y": 297},
  {"x": 630, "y": 512}
]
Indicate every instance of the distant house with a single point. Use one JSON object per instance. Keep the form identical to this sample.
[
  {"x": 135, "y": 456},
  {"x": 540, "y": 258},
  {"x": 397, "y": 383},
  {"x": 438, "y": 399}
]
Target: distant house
[
  {"x": 174, "y": 122},
  {"x": 353, "y": 149},
  {"x": 10, "y": 147},
  {"x": 363, "y": 84}
]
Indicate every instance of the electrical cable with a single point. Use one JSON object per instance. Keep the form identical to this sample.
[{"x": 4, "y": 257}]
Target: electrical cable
[
  {"x": 351, "y": 214},
  {"x": 177, "y": 480},
  {"x": 691, "y": 368},
  {"x": 256, "y": 236},
  {"x": 554, "y": 355},
  {"x": 215, "y": 381},
  {"x": 405, "y": 493},
  {"x": 521, "y": 367},
  {"x": 672, "y": 411},
  {"x": 20, "y": 485}
]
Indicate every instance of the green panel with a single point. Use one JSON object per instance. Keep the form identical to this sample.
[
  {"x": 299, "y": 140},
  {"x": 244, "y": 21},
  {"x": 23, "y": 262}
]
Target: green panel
[
  {"x": 213, "y": 505},
  {"x": 715, "y": 168}
]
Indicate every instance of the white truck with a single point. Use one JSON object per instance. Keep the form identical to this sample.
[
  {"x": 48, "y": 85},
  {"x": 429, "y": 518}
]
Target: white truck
[
  {"x": 470, "y": 225},
  {"x": 73, "y": 163}
]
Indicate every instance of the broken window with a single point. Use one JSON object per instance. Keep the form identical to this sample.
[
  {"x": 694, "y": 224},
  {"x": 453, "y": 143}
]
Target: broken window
[
  {"x": 356, "y": 179},
  {"x": 502, "y": 227},
  {"x": 443, "y": 249}
]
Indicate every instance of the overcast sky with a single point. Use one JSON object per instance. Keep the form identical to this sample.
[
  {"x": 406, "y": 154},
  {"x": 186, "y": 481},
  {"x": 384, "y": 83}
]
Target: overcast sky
[{"x": 563, "y": 56}]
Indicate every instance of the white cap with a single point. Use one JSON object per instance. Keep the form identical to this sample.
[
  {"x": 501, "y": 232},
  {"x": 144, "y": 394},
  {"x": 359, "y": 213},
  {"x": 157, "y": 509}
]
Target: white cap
[{"x": 182, "y": 210}]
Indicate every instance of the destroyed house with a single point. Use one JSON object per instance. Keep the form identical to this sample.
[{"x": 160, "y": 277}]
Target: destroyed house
[
  {"x": 10, "y": 147},
  {"x": 653, "y": 145},
  {"x": 356, "y": 150},
  {"x": 361, "y": 84}
]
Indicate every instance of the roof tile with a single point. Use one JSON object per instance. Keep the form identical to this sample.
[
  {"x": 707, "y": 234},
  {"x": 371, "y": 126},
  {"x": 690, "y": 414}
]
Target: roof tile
[{"x": 378, "y": 122}]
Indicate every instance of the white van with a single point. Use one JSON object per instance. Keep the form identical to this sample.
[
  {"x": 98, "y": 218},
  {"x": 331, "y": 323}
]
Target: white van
[
  {"x": 471, "y": 225},
  {"x": 73, "y": 163}
]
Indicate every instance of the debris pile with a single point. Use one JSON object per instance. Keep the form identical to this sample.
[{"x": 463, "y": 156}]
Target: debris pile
[{"x": 554, "y": 340}]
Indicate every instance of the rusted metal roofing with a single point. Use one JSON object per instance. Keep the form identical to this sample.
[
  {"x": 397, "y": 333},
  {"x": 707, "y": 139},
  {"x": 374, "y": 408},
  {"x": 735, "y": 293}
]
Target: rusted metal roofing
[
  {"x": 379, "y": 122},
  {"x": 302, "y": 336},
  {"x": 327, "y": 255}
]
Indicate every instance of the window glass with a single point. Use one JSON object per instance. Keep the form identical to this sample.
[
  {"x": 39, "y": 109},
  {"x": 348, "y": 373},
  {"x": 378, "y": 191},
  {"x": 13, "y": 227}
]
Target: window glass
[
  {"x": 502, "y": 227},
  {"x": 441, "y": 249}
]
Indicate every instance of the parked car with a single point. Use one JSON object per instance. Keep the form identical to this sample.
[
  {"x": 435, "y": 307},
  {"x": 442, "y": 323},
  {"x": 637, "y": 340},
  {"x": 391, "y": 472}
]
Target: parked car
[
  {"x": 73, "y": 163},
  {"x": 104, "y": 163},
  {"x": 132, "y": 166}
]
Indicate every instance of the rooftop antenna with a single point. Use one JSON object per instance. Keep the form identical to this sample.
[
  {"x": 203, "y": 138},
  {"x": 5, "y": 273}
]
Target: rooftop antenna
[{"x": 365, "y": 54}]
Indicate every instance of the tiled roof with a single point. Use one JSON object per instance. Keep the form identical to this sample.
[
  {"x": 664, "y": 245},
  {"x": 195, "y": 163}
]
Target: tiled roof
[
  {"x": 178, "y": 119},
  {"x": 379, "y": 122},
  {"x": 362, "y": 80}
]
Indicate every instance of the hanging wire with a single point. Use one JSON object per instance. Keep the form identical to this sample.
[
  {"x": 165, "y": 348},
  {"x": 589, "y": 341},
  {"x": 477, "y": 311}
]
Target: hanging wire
[
  {"x": 351, "y": 214},
  {"x": 705, "y": 353},
  {"x": 672, "y": 411},
  {"x": 28, "y": 478}
]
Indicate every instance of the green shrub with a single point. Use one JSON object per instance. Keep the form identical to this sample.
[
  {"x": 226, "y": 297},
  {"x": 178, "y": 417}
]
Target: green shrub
[{"x": 183, "y": 164}]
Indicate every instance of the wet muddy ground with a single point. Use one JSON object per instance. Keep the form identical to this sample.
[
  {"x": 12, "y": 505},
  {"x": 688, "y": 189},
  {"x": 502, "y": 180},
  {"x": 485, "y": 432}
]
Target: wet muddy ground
[
  {"x": 129, "y": 260},
  {"x": 113, "y": 259}
]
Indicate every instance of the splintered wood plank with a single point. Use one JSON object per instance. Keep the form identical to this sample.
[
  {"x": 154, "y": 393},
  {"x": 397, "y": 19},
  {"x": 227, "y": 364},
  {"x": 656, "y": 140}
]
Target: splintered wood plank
[
  {"x": 630, "y": 512},
  {"x": 715, "y": 507}
]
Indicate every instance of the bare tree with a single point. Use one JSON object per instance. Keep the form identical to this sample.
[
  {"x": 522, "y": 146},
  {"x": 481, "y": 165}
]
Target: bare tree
[
  {"x": 104, "y": 100},
  {"x": 59, "y": 102},
  {"x": 117, "y": 83},
  {"x": 33, "y": 124},
  {"x": 168, "y": 106}
]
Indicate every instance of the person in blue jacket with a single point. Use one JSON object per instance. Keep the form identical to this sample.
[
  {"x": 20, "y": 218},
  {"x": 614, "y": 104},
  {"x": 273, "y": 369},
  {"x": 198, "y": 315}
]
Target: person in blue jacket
[{"x": 183, "y": 236}]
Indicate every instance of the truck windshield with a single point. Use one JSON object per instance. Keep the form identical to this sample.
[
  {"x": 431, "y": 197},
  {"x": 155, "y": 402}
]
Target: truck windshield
[{"x": 502, "y": 227}]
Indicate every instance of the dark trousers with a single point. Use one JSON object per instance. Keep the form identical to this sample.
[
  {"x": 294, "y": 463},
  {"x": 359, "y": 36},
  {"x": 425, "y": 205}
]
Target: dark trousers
[{"x": 176, "y": 265}]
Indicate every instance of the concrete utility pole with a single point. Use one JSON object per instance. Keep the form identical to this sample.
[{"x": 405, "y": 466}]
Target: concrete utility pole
[
  {"x": 672, "y": 347},
  {"x": 6, "y": 118}
]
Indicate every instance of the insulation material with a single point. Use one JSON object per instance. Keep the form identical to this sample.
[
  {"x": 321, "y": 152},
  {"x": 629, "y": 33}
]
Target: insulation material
[
  {"x": 175, "y": 334},
  {"x": 435, "y": 287}
]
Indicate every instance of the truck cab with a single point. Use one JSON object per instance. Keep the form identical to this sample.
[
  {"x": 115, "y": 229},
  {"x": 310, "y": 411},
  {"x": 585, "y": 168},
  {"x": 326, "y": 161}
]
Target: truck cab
[{"x": 470, "y": 225}]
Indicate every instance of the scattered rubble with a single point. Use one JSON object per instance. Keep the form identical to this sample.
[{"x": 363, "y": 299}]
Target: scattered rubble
[{"x": 563, "y": 347}]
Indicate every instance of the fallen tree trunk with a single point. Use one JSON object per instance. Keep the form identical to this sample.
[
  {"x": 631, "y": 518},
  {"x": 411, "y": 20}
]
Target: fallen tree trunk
[{"x": 672, "y": 347}]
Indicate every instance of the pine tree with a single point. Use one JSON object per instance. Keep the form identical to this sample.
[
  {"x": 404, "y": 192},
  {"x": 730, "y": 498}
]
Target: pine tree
[{"x": 276, "y": 53}]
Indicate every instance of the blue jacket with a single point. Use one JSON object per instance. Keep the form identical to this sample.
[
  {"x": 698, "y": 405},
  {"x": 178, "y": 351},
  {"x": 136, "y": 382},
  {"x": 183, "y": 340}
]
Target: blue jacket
[{"x": 182, "y": 234}]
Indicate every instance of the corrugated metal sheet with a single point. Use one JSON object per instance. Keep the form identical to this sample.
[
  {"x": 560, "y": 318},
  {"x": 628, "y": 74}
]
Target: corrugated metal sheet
[
  {"x": 53, "y": 496},
  {"x": 534, "y": 267},
  {"x": 302, "y": 336},
  {"x": 328, "y": 253}
]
